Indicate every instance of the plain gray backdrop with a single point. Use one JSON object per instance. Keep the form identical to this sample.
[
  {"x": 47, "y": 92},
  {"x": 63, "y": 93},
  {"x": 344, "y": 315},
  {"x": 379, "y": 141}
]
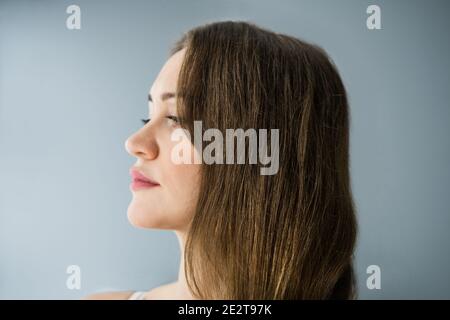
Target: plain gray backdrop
[{"x": 70, "y": 98}]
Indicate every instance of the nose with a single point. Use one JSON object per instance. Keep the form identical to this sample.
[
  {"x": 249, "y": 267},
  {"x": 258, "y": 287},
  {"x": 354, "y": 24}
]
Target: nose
[{"x": 142, "y": 144}]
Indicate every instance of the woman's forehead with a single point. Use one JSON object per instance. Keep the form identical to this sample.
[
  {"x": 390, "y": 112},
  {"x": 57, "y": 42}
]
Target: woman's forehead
[{"x": 167, "y": 79}]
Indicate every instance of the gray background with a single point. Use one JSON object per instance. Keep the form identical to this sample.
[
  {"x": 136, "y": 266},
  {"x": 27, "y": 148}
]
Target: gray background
[{"x": 69, "y": 99}]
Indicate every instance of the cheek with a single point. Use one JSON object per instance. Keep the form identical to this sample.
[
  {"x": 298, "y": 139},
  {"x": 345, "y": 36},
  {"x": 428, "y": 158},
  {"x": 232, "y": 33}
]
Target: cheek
[
  {"x": 182, "y": 178},
  {"x": 182, "y": 181}
]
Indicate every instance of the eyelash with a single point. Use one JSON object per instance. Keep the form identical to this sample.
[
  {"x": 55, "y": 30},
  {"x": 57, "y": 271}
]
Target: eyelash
[
  {"x": 173, "y": 118},
  {"x": 144, "y": 121}
]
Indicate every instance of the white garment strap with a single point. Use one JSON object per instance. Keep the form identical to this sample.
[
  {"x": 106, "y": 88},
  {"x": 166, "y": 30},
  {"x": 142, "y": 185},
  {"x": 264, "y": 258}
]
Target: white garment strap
[{"x": 137, "y": 295}]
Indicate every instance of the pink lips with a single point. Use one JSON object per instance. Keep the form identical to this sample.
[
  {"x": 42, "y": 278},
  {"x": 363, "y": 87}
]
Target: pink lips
[{"x": 140, "y": 181}]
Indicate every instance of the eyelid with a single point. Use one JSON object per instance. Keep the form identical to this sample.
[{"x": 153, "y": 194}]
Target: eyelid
[
  {"x": 173, "y": 118},
  {"x": 170, "y": 117}
]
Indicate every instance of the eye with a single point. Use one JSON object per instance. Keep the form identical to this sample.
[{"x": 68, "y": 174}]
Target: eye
[
  {"x": 144, "y": 121},
  {"x": 173, "y": 118}
]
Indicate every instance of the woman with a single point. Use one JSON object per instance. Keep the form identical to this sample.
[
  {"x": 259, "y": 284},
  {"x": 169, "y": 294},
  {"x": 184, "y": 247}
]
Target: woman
[{"x": 244, "y": 235}]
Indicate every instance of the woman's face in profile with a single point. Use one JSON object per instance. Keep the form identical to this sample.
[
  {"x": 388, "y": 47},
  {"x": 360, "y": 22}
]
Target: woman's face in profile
[{"x": 171, "y": 204}]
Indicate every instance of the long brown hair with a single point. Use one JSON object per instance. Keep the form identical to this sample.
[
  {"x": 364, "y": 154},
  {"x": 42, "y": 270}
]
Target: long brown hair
[{"x": 290, "y": 235}]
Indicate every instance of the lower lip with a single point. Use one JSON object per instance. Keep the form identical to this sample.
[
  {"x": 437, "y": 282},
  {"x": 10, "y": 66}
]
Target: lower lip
[{"x": 138, "y": 185}]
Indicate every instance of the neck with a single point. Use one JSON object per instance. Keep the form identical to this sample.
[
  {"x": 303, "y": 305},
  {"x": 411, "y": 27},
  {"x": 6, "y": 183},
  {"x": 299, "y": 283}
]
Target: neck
[{"x": 181, "y": 287}]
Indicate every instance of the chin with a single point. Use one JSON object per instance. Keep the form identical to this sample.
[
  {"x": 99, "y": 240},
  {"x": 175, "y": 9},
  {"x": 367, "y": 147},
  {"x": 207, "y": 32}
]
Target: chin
[
  {"x": 148, "y": 219},
  {"x": 141, "y": 218}
]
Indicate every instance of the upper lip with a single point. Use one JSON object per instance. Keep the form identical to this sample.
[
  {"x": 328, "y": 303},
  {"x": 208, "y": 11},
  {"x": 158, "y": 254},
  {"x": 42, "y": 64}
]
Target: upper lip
[{"x": 138, "y": 175}]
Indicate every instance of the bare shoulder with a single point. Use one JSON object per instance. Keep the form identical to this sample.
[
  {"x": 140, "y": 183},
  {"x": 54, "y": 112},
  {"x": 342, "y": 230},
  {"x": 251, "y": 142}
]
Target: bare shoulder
[{"x": 115, "y": 295}]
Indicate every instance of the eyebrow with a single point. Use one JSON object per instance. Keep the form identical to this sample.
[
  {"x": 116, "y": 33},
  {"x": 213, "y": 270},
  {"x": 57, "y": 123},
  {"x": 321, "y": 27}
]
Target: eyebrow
[{"x": 164, "y": 96}]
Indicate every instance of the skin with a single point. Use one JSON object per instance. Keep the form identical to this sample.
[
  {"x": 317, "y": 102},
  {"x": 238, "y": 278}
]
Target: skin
[{"x": 170, "y": 205}]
